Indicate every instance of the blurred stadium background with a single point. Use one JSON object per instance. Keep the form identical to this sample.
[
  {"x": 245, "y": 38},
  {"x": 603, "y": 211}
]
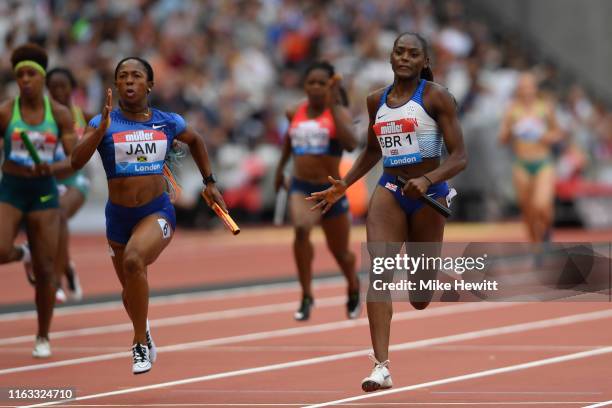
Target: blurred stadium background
[{"x": 233, "y": 67}]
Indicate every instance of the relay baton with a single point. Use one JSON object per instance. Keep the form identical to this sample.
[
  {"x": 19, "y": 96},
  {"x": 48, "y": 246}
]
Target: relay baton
[
  {"x": 226, "y": 218},
  {"x": 30, "y": 147},
  {"x": 442, "y": 210},
  {"x": 280, "y": 206}
]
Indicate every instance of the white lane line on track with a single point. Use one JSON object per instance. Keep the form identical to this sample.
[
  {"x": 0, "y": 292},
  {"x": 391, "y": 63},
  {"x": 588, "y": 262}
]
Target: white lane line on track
[
  {"x": 471, "y": 376},
  {"x": 178, "y": 320},
  {"x": 478, "y": 334},
  {"x": 293, "y": 331},
  {"x": 59, "y": 350},
  {"x": 355, "y": 404},
  {"x": 518, "y": 392},
  {"x": 258, "y": 290},
  {"x": 600, "y": 404}
]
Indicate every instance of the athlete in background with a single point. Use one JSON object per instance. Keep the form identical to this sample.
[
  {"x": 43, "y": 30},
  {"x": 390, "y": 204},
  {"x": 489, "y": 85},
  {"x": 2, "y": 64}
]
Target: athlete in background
[
  {"x": 320, "y": 129},
  {"x": 28, "y": 191}
]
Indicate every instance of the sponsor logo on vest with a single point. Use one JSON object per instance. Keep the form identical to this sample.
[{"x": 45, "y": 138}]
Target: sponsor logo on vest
[
  {"x": 139, "y": 136},
  {"x": 391, "y": 128},
  {"x": 147, "y": 167},
  {"x": 45, "y": 198},
  {"x": 404, "y": 160}
]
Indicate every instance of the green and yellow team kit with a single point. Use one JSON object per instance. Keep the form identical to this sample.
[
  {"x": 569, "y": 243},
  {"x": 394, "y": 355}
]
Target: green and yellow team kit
[
  {"x": 77, "y": 180},
  {"x": 30, "y": 193}
]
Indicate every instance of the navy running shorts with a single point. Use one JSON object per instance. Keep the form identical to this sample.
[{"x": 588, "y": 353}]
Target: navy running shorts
[{"x": 120, "y": 220}]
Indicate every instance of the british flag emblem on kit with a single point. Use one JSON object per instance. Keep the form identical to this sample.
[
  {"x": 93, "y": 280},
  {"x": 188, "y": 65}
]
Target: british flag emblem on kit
[{"x": 390, "y": 186}]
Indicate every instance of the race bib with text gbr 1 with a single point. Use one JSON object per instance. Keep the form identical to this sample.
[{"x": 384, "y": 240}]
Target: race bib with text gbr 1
[
  {"x": 398, "y": 142},
  {"x": 140, "y": 152}
]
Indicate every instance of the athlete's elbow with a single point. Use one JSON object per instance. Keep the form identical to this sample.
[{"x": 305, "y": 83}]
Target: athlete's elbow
[
  {"x": 350, "y": 147},
  {"x": 76, "y": 163},
  {"x": 462, "y": 161},
  {"x": 349, "y": 142}
]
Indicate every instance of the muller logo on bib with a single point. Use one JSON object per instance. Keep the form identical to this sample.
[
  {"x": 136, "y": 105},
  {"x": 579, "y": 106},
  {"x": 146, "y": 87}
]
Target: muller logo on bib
[
  {"x": 132, "y": 148},
  {"x": 395, "y": 127},
  {"x": 398, "y": 143},
  {"x": 391, "y": 128},
  {"x": 139, "y": 136}
]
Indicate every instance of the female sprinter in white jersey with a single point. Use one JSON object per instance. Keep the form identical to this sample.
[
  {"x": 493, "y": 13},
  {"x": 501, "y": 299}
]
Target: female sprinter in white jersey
[
  {"x": 133, "y": 141},
  {"x": 320, "y": 129},
  {"x": 409, "y": 120},
  {"x": 529, "y": 125}
]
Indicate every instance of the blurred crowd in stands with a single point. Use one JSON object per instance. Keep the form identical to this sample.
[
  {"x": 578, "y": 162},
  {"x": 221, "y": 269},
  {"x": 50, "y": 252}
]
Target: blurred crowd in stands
[{"x": 233, "y": 67}]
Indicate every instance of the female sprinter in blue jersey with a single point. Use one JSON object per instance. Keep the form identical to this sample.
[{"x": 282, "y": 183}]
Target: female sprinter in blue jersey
[
  {"x": 28, "y": 191},
  {"x": 320, "y": 129},
  {"x": 133, "y": 141},
  {"x": 408, "y": 122}
]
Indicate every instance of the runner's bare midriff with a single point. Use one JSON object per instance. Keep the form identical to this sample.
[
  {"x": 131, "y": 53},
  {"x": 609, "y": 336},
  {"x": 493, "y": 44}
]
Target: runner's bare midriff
[
  {"x": 316, "y": 168},
  {"x": 135, "y": 191},
  {"x": 414, "y": 170}
]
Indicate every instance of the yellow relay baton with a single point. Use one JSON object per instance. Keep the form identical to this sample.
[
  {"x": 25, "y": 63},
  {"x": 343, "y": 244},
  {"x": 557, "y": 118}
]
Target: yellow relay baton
[{"x": 226, "y": 218}]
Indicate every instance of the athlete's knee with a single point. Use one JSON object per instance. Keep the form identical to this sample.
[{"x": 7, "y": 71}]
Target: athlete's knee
[
  {"x": 64, "y": 218},
  {"x": 5, "y": 253},
  {"x": 133, "y": 262},
  {"x": 380, "y": 307},
  {"x": 419, "y": 305},
  {"x": 377, "y": 295},
  {"x": 344, "y": 256},
  {"x": 542, "y": 210},
  {"x": 45, "y": 275},
  {"x": 302, "y": 233},
  {"x": 124, "y": 298}
]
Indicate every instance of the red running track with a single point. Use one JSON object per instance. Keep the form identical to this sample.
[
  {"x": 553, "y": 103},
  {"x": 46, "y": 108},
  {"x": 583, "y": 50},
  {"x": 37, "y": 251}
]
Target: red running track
[
  {"x": 242, "y": 348},
  {"x": 207, "y": 258}
]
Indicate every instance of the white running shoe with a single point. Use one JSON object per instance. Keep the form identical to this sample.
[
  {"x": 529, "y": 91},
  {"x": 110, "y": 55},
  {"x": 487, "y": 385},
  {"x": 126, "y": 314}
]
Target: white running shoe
[
  {"x": 60, "y": 296},
  {"x": 75, "y": 292},
  {"x": 140, "y": 359},
  {"x": 27, "y": 263},
  {"x": 380, "y": 377},
  {"x": 151, "y": 345},
  {"x": 42, "y": 348}
]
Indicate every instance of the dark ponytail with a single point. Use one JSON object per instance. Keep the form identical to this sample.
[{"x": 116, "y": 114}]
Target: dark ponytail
[
  {"x": 344, "y": 99},
  {"x": 427, "y": 74}
]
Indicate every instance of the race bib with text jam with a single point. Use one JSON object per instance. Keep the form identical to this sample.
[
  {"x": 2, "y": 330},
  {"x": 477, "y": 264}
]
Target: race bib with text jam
[{"x": 140, "y": 152}]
